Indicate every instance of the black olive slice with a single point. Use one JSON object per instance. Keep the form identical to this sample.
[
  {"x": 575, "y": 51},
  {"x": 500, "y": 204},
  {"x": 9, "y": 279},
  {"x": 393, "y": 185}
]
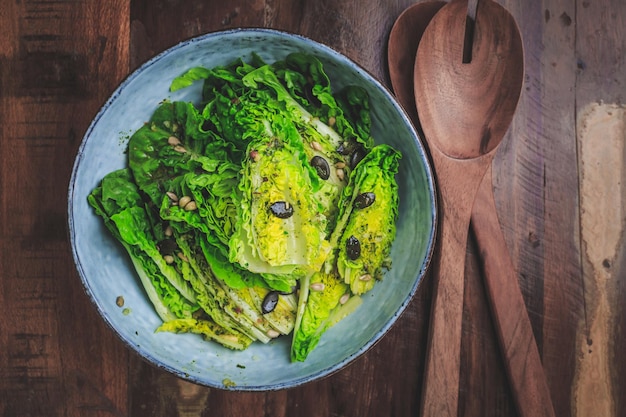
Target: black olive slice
[{"x": 343, "y": 149}]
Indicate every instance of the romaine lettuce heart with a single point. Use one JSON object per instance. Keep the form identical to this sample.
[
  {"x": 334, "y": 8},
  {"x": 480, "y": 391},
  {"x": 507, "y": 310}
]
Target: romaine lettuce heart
[
  {"x": 371, "y": 225},
  {"x": 275, "y": 173}
]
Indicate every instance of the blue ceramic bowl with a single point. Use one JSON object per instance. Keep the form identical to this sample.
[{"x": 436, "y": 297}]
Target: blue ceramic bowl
[{"x": 107, "y": 273}]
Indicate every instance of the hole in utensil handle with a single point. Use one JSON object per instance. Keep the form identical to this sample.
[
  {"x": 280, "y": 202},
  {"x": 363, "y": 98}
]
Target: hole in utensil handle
[{"x": 470, "y": 25}]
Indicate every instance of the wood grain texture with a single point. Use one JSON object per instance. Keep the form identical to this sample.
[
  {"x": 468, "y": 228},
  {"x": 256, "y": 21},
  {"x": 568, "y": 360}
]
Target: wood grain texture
[
  {"x": 59, "y": 60},
  {"x": 465, "y": 108},
  {"x": 404, "y": 38},
  {"x": 601, "y": 134},
  {"x": 536, "y": 186},
  {"x": 514, "y": 331},
  {"x": 484, "y": 390},
  {"x": 601, "y": 137},
  {"x": 457, "y": 181}
]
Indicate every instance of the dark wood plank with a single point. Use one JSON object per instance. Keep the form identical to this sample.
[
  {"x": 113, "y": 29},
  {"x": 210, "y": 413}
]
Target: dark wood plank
[
  {"x": 484, "y": 388},
  {"x": 537, "y": 190},
  {"x": 59, "y": 61}
]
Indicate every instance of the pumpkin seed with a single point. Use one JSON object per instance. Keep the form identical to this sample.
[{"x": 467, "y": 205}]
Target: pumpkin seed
[
  {"x": 353, "y": 248},
  {"x": 364, "y": 200},
  {"x": 357, "y": 156},
  {"x": 321, "y": 166},
  {"x": 282, "y": 209},
  {"x": 269, "y": 302}
]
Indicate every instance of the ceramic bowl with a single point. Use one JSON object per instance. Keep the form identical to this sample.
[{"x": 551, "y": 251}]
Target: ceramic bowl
[{"x": 105, "y": 269}]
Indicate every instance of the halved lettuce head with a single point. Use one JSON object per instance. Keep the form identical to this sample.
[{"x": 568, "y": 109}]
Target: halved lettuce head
[
  {"x": 282, "y": 227},
  {"x": 367, "y": 225}
]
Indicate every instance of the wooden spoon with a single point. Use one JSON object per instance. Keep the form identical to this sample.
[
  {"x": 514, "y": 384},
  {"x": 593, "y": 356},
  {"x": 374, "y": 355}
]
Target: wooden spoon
[
  {"x": 465, "y": 108},
  {"x": 517, "y": 342},
  {"x": 404, "y": 37}
]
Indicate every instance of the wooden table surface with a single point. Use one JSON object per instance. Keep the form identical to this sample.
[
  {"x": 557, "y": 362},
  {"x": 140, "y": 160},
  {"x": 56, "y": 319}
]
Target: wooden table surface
[{"x": 558, "y": 181}]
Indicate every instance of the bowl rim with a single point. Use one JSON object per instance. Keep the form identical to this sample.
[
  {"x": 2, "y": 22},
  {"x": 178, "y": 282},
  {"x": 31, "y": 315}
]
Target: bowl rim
[{"x": 146, "y": 355}]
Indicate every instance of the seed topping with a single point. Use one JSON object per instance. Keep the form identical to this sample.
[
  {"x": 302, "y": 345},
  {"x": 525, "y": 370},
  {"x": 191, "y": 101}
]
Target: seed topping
[
  {"x": 173, "y": 140},
  {"x": 191, "y": 206},
  {"x": 364, "y": 200},
  {"x": 183, "y": 201},
  {"x": 269, "y": 302},
  {"x": 316, "y": 146},
  {"x": 282, "y": 209},
  {"x": 272, "y": 333},
  {"x": 353, "y": 248},
  {"x": 321, "y": 166},
  {"x": 344, "y": 298}
]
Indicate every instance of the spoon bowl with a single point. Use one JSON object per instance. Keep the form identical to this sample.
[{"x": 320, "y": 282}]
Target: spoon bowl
[
  {"x": 468, "y": 107},
  {"x": 404, "y": 38}
]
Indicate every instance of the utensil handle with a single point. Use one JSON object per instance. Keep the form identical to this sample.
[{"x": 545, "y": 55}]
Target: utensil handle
[
  {"x": 458, "y": 182},
  {"x": 517, "y": 341},
  {"x": 441, "y": 375}
]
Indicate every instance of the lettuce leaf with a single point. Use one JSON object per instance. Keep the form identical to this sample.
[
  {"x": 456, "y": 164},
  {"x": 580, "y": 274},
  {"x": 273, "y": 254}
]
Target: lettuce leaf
[
  {"x": 371, "y": 225},
  {"x": 209, "y": 330},
  {"x": 319, "y": 297},
  {"x": 118, "y": 202}
]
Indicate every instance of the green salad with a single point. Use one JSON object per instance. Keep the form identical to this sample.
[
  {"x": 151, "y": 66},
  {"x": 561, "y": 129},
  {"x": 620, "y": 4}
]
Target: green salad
[{"x": 264, "y": 209}]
